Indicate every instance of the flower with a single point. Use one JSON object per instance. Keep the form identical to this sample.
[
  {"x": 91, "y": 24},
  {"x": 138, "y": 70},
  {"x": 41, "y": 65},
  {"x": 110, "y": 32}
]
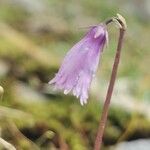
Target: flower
[{"x": 80, "y": 64}]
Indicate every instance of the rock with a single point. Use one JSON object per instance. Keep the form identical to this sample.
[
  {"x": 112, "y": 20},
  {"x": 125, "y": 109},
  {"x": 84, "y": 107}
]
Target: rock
[
  {"x": 27, "y": 94},
  {"x": 141, "y": 144},
  {"x": 121, "y": 97},
  {"x": 4, "y": 68}
]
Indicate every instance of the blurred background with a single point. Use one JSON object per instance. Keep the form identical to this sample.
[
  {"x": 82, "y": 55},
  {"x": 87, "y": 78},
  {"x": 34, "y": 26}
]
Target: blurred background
[{"x": 34, "y": 37}]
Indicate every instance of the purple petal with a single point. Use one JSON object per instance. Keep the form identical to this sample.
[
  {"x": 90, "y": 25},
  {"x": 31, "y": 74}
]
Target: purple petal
[{"x": 80, "y": 64}]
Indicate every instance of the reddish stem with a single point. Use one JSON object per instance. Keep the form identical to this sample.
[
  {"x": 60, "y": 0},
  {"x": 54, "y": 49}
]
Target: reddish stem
[{"x": 102, "y": 124}]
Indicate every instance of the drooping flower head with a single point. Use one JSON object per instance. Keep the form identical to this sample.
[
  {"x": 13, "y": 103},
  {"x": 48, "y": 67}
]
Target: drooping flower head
[{"x": 80, "y": 64}]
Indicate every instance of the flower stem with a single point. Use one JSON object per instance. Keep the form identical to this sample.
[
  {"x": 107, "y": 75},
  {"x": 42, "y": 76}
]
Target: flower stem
[{"x": 102, "y": 124}]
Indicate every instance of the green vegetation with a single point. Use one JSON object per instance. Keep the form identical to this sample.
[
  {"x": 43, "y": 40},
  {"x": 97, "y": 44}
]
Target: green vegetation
[{"x": 33, "y": 40}]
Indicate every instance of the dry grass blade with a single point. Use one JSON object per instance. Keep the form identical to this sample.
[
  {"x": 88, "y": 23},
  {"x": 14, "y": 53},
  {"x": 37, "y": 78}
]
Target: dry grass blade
[{"x": 6, "y": 145}]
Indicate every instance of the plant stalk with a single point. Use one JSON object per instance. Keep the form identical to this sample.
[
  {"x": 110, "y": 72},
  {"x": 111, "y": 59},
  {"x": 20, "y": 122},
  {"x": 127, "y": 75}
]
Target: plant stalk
[{"x": 103, "y": 120}]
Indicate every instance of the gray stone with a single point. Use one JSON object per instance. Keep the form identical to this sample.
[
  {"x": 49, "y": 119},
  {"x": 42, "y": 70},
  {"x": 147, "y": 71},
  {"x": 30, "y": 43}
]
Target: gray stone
[{"x": 141, "y": 144}]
